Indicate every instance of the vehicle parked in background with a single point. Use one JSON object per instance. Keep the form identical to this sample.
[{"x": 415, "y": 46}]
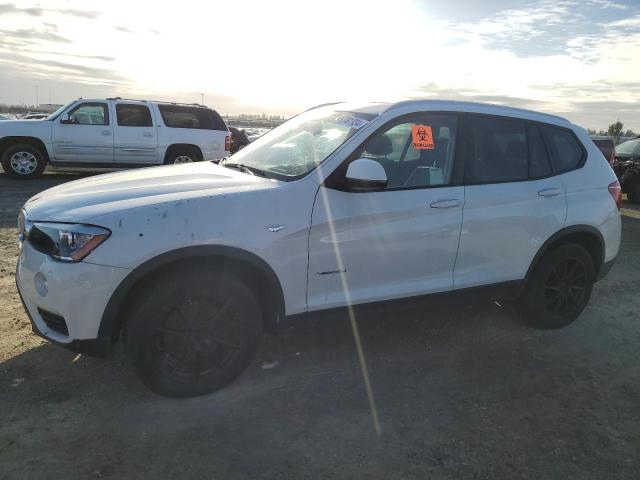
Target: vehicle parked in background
[
  {"x": 239, "y": 139},
  {"x": 114, "y": 132},
  {"x": 343, "y": 205},
  {"x": 627, "y": 168},
  {"x": 607, "y": 147},
  {"x": 5, "y": 117},
  {"x": 35, "y": 116},
  {"x": 255, "y": 133}
]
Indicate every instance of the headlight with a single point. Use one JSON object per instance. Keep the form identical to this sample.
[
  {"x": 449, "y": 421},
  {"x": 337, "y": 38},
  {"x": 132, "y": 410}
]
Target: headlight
[{"x": 66, "y": 241}]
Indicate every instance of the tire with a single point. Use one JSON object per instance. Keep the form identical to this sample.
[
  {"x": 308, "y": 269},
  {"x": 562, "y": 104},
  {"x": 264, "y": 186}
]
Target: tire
[
  {"x": 192, "y": 331},
  {"x": 559, "y": 288},
  {"x": 23, "y": 161},
  {"x": 183, "y": 155}
]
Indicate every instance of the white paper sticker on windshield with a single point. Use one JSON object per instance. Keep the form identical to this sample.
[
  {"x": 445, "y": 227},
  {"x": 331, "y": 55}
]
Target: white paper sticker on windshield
[{"x": 352, "y": 122}]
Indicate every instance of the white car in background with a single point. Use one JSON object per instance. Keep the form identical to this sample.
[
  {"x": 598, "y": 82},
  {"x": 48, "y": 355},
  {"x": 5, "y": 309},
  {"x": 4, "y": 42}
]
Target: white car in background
[
  {"x": 113, "y": 133},
  {"x": 342, "y": 205}
]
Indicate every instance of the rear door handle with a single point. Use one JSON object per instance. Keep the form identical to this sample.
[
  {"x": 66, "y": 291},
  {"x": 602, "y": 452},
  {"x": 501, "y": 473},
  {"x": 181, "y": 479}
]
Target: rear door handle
[
  {"x": 106, "y": 132},
  {"x": 549, "y": 192},
  {"x": 446, "y": 203}
]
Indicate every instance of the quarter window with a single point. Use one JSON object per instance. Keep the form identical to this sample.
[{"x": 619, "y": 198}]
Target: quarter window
[
  {"x": 500, "y": 150},
  {"x": 417, "y": 153},
  {"x": 133, "y": 115},
  {"x": 177, "y": 116},
  {"x": 565, "y": 151},
  {"x": 90, "y": 114}
]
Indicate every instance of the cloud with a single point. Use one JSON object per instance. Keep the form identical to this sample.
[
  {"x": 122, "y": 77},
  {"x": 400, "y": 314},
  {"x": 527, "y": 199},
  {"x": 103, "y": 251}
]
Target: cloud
[
  {"x": 10, "y": 8},
  {"x": 553, "y": 27},
  {"x": 28, "y": 35},
  {"x": 120, "y": 28}
]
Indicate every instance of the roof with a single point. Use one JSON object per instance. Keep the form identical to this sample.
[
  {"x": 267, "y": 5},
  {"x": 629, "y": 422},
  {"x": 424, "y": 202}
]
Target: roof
[{"x": 378, "y": 108}]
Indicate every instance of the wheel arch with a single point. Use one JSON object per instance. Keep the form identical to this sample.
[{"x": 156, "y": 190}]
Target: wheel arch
[
  {"x": 181, "y": 147},
  {"x": 249, "y": 266},
  {"x": 6, "y": 142},
  {"x": 586, "y": 236}
]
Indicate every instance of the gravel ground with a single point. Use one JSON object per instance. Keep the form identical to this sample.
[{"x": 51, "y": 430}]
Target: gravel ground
[{"x": 464, "y": 392}]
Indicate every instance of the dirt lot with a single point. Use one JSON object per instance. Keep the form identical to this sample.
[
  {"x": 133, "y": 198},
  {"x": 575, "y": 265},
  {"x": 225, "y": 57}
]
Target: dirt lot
[{"x": 468, "y": 392}]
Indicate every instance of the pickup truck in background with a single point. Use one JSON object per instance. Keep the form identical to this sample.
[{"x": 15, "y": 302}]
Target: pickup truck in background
[{"x": 114, "y": 133}]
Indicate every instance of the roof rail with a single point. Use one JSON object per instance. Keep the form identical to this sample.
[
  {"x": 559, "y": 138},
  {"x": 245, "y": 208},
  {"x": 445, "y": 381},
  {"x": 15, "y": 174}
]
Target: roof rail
[{"x": 157, "y": 101}]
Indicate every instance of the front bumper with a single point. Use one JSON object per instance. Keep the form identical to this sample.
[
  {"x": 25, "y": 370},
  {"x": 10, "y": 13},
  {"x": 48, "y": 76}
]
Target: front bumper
[{"x": 77, "y": 292}]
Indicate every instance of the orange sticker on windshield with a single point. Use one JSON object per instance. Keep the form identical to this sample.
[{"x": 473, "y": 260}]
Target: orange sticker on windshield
[{"x": 422, "y": 137}]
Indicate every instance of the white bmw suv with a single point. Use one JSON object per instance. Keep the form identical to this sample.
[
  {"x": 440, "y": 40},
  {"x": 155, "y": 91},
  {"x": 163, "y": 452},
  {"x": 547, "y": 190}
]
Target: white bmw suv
[{"x": 342, "y": 205}]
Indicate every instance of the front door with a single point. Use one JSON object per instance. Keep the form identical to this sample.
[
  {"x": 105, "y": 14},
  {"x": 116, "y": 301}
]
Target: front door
[
  {"x": 398, "y": 241},
  {"x": 135, "y": 135},
  {"x": 87, "y": 137}
]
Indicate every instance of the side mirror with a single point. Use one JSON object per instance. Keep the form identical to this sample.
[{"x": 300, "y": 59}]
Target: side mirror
[
  {"x": 364, "y": 174},
  {"x": 66, "y": 118}
]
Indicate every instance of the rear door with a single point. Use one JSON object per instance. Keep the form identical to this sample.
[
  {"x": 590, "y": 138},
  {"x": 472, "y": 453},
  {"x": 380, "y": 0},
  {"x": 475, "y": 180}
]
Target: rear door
[
  {"x": 135, "y": 135},
  {"x": 513, "y": 203},
  {"x": 87, "y": 138}
]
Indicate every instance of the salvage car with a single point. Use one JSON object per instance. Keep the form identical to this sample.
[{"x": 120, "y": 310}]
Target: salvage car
[
  {"x": 342, "y": 206},
  {"x": 627, "y": 168},
  {"x": 113, "y": 133}
]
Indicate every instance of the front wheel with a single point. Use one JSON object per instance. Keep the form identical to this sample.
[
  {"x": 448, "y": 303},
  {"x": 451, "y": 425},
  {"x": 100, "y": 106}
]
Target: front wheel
[
  {"x": 192, "y": 331},
  {"x": 23, "y": 161},
  {"x": 559, "y": 288}
]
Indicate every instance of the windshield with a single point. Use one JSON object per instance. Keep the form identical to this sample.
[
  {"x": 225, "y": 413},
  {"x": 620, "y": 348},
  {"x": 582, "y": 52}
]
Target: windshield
[
  {"x": 58, "y": 111},
  {"x": 632, "y": 147},
  {"x": 296, "y": 147}
]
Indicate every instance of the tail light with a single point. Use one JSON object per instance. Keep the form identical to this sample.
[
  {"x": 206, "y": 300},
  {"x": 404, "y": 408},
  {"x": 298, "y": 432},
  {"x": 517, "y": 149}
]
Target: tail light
[
  {"x": 227, "y": 143},
  {"x": 616, "y": 193}
]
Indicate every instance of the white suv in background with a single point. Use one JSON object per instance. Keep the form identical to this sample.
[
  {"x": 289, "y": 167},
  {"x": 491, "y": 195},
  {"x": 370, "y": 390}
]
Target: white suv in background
[
  {"x": 113, "y": 133},
  {"x": 342, "y": 205}
]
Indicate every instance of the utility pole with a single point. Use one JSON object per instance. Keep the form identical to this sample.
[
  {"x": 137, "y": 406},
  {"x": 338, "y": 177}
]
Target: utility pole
[
  {"x": 202, "y": 99},
  {"x": 37, "y": 101}
]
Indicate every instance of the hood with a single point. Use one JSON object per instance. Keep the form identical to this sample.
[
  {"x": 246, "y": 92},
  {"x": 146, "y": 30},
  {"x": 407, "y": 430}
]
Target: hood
[{"x": 82, "y": 200}]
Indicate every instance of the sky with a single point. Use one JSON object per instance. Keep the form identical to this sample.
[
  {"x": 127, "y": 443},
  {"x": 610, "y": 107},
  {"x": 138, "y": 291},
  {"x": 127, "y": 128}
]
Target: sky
[{"x": 576, "y": 58}]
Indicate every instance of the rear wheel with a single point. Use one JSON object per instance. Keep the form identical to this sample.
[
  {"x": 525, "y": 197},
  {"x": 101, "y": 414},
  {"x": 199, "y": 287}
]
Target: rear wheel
[
  {"x": 23, "y": 161},
  {"x": 183, "y": 155},
  {"x": 192, "y": 338},
  {"x": 559, "y": 288}
]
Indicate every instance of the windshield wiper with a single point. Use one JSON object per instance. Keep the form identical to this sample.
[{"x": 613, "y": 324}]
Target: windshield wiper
[{"x": 246, "y": 169}]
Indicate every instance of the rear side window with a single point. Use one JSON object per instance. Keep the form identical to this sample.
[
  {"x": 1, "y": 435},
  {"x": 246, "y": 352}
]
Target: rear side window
[
  {"x": 176, "y": 116},
  {"x": 565, "y": 150},
  {"x": 133, "y": 115},
  {"x": 500, "y": 150},
  {"x": 539, "y": 164}
]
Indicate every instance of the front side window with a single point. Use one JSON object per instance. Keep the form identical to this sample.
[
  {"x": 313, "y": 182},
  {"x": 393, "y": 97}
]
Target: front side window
[
  {"x": 415, "y": 153},
  {"x": 500, "y": 152},
  {"x": 299, "y": 145},
  {"x": 90, "y": 114},
  {"x": 564, "y": 148},
  {"x": 133, "y": 115}
]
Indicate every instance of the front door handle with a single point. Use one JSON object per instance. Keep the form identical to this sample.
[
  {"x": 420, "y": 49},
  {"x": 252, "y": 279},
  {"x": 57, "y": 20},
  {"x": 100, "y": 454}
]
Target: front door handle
[
  {"x": 549, "y": 192},
  {"x": 147, "y": 134},
  {"x": 446, "y": 203},
  {"x": 106, "y": 132}
]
